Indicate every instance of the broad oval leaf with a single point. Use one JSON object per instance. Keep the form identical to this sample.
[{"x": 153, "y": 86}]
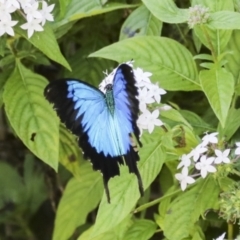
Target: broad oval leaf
[
  {"x": 218, "y": 85},
  {"x": 139, "y": 23},
  {"x": 124, "y": 190},
  {"x": 80, "y": 197},
  {"x": 30, "y": 115},
  {"x": 170, "y": 62},
  {"x": 46, "y": 42},
  {"x": 167, "y": 11}
]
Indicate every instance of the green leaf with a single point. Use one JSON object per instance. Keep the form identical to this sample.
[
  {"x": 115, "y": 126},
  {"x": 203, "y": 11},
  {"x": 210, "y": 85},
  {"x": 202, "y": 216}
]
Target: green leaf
[
  {"x": 170, "y": 62},
  {"x": 124, "y": 190},
  {"x": 10, "y": 183},
  {"x": 141, "y": 229},
  {"x": 186, "y": 209},
  {"x": 175, "y": 116},
  {"x": 218, "y": 38},
  {"x": 199, "y": 125},
  {"x": 232, "y": 124},
  {"x": 167, "y": 11},
  {"x": 86, "y": 8},
  {"x": 115, "y": 233},
  {"x": 46, "y": 42},
  {"x": 30, "y": 115},
  {"x": 69, "y": 152},
  {"x": 218, "y": 85},
  {"x": 225, "y": 20},
  {"x": 89, "y": 70},
  {"x": 35, "y": 190},
  {"x": 80, "y": 197},
  {"x": 139, "y": 23},
  {"x": 234, "y": 59},
  {"x": 3, "y": 43}
]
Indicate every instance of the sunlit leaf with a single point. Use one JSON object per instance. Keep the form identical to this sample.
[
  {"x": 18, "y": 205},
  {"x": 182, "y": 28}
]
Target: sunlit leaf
[
  {"x": 30, "y": 115},
  {"x": 80, "y": 197},
  {"x": 170, "y": 62}
]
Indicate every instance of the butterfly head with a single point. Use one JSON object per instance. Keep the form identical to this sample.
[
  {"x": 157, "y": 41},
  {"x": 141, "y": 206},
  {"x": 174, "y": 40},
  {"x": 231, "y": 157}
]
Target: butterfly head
[{"x": 108, "y": 87}]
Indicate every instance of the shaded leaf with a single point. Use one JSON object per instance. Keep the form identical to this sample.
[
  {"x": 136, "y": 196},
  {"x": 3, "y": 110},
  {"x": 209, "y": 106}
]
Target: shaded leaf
[
  {"x": 139, "y": 23},
  {"x": 30, "y": 115}
]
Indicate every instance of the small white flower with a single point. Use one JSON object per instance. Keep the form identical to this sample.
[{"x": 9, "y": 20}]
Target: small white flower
[
  {"x": 148, "y": 120},
  {"x": 222, "y": 157},
  {"x": 25, "y": 3},
  {"x": 221, "y": 237},
  {"x": 12, "y": 3},
  {"x": 144, "y": 97},
  {"x": 198, "y": 151},
  {"x": 184, "y": 179},
  {"x": 142, "y": 78},
  {"x": 4, "y": 12},
  {"x": 185, "y": 161},
  {"x": 6, "y": 26},
  {"x": 32, "y": 12},
  {"x": 210, "y": 138},
  {"x": 237, "y": 151},
  {"x": 46, "y": 12},
  {"x": 205, "y": 165},
  {"x": 32, "y": 26},
  {"x": 156, "y": 92}
]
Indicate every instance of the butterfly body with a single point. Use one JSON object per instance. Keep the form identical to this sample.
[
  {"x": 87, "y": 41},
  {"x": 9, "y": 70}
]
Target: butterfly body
[{"x": 103, "y": 122}]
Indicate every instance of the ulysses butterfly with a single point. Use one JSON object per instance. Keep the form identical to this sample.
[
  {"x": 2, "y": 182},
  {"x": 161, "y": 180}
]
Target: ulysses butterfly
[{"x": 103, "y": 122}]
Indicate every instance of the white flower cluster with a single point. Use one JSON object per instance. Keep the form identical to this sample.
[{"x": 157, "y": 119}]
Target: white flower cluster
[
  {"x": 35, "y": 12},
  {"x": 149, "y": 93},
  {"x": 199, "y": 159},
  {"x": 198, "y": 15},
  {"x": 222, "y": 237}
]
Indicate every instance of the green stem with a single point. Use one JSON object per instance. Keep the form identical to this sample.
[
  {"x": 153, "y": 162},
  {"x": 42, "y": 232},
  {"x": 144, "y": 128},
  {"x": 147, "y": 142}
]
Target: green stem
[
  {"x": 230, "y": 231},
  {"x": 152, "y": 203}
]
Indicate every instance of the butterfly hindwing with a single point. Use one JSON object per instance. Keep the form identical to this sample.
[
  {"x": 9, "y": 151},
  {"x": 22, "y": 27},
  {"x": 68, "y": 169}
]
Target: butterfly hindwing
[{"x": 104, "y": 134}]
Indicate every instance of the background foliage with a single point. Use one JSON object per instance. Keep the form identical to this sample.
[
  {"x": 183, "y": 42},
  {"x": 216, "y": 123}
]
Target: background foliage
[{"x": 198, "y": 67}]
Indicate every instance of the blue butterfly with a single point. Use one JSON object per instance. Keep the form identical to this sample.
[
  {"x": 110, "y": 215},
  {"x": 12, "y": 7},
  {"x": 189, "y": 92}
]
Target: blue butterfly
[{"x": 103, "y": 122}]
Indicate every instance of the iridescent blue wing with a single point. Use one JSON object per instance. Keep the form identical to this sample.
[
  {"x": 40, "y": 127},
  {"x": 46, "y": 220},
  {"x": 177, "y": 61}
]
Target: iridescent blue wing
[
  {"x": 84, "y": 111},
  {"x": 126, "y": 112}
]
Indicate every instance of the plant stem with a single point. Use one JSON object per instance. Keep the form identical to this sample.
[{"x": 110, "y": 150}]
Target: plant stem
[{"x": 230, "y": 231}]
